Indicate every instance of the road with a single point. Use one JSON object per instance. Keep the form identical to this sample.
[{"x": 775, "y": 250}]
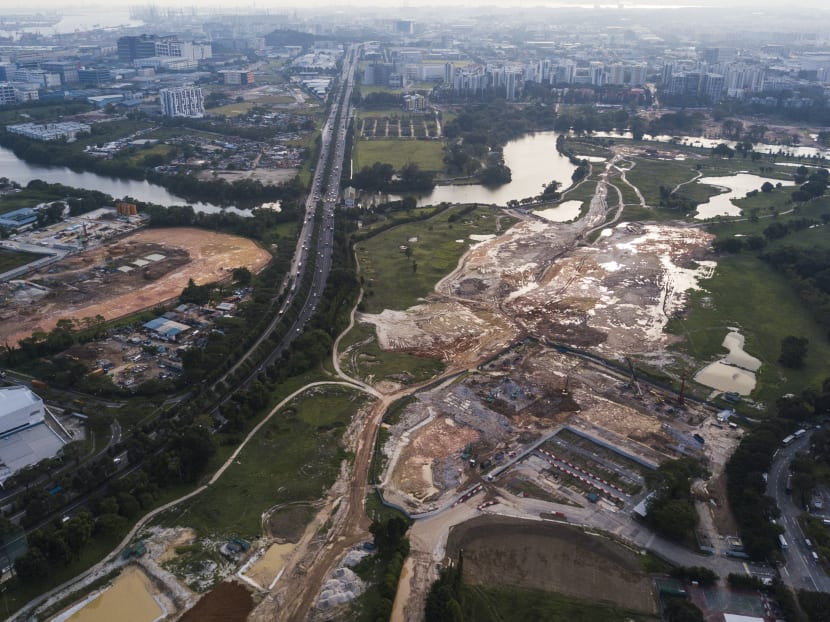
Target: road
[
  {"x": 800, "y": 570},
  {"x": 323, "y": 195}
]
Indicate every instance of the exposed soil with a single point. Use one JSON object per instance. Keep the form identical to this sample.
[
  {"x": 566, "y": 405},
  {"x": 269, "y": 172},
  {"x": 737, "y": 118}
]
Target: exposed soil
[
  {"x": 288, "y": 524},
  {"x": 551, "y": 557},
  {"x": 227, "y": 602},
  {"x": 89, "y": 284}
]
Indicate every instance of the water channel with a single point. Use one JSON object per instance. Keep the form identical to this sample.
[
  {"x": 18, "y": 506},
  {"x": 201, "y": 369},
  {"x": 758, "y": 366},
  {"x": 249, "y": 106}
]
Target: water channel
[{"x": 23, "y": 172}]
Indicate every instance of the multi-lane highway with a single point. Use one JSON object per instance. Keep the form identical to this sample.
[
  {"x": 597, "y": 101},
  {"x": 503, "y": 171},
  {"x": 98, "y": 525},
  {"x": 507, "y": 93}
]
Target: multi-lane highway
[
  {"x": 800, "y": 570},
  {"x": 314, "y": 245}
]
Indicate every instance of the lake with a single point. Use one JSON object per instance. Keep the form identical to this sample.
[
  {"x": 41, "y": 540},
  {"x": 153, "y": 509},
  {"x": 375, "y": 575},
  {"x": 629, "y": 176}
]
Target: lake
[{"x": 534, "y": 163}]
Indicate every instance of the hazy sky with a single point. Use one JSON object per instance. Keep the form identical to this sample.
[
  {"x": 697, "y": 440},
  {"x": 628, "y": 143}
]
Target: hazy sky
[{"x": 229, "y": 5}]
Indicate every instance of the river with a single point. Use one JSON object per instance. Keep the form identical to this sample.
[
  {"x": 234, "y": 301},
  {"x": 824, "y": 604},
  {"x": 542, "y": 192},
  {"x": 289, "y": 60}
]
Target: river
[
  {"x": 533, "y": 161},
  {"x": 23, "y": 172}
]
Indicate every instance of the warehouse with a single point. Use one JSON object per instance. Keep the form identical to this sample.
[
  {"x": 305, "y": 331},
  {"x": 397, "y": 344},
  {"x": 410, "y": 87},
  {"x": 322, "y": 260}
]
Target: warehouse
[{"x": 25, "y": 439}]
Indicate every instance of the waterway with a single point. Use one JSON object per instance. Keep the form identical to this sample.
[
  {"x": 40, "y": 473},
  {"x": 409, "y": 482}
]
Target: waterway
[
  {"x": 23, "y": 172},
  {"x": 534, "y": 162}
]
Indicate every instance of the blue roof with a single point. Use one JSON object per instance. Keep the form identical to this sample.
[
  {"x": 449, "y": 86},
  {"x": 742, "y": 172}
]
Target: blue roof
[{"x": 154, "y": 324}]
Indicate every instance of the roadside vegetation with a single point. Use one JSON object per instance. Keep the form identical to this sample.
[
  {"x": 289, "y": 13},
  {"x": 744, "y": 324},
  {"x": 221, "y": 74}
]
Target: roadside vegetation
[{"x": 294, "y": 457}]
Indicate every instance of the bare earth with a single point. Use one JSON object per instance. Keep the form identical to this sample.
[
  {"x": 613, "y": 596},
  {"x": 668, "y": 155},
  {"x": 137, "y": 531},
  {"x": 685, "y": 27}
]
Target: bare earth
[
  {"x": 550, "y": 557},
  {"x": 78, "y": 290}
]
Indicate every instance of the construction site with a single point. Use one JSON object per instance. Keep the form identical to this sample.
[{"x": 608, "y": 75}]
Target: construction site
[
  {"x": 549, "y": 418},
  {"x": 119, "y": 277}
]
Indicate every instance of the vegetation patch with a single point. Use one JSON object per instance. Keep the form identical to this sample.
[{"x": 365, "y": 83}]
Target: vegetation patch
[
  {"x": 294, "y": 457},
  {"x": 426, "y": 154},
  {"x": 402, "y": 265},
  {"x": 9, "y": 260}
]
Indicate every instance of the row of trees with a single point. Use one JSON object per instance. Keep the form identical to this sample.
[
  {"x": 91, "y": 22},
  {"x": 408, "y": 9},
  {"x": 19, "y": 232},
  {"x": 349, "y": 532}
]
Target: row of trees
[{"x": 380, "y": 177}]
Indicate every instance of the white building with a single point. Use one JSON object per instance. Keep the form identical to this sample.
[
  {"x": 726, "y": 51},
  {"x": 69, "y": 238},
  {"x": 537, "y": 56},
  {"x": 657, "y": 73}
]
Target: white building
[
  {"x": 183, "y": 101},
  {"x": 50, "y": 131},
  {"x": 19, "y": 409}
]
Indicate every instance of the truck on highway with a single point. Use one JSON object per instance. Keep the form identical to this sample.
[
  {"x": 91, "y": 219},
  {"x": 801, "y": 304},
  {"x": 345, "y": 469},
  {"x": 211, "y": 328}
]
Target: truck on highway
[{"x": 782, "y": 542}]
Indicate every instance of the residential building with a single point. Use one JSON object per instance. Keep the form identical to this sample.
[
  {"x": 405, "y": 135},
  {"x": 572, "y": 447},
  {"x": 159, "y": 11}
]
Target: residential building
[
  {"x": 7, "y": 94},
  {"x": 183, "y": 101}
]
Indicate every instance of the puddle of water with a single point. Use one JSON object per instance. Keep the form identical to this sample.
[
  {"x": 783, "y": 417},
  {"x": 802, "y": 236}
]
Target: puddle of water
[
  {"x": 725, "y": 377},
  {"x": 735, "y": 372},
  {"x": 734, "y": 342},
  {"x": 269, "y": 566},
  {"x": 736, "y": 187},
  {"x": 129, "y": 599},
  {"x": 569, "y": 210}
]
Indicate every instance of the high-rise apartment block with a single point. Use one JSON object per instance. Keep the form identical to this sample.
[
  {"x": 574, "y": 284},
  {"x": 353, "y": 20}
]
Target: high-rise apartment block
[{"x": 183, "y": 101}]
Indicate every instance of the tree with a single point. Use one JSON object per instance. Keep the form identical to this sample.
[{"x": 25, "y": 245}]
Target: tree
[
  {"x": 242, "y": 276},
  {"x": 793, "y": 351},
  {"x": 767, "y": 187},
  {"x": 681, "y": 610}
]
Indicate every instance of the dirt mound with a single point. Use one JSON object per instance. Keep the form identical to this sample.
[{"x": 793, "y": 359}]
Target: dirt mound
[{"x": 227, "y": 602}]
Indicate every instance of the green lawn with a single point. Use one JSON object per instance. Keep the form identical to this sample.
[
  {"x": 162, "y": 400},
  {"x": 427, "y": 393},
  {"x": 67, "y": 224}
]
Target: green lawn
[
  {"x": 295, "y": 457},
  {"x": 233, "y": 110},
  {"x": 506, "y": 604},
  {"x": 427, "y": 154},
  {"x": 9, "y": 260},
  {"x": 391, "y": 282},
  {"x": 746, "y": 293}
]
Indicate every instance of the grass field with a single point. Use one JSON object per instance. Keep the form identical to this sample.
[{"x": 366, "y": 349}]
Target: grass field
[
  {"x": 233, "y": 110},
  {"x": 746, "y": 293},
  {"x": 294, "y": 457},
  {"x": 427, "y": 154},
  {"x": 391, "y": 282},
  {"x": 509, "y": 604},
  {"x": 367, "y": 359},
  {"x": 9, "y": 260}
]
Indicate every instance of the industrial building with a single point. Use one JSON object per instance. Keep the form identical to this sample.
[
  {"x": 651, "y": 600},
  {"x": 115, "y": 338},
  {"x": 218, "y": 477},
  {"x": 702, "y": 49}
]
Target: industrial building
[
  {"x": 25, "y": 439},
  {"x": 50, "y": 131},
  {"x": 165, "y": 329}
]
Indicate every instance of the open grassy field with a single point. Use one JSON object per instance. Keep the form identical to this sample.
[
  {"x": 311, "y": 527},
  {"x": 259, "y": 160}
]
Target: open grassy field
[
  {"x": 747, "y": 293},
  {"x": 369, "y": 363},
  {"x": 427, "y": 154},
  {"x": 233, "y": 110},
  {"x": 390, "y": 280},
  {"x": 509, "y": 604},
  {"x": 294, "y": 457}
]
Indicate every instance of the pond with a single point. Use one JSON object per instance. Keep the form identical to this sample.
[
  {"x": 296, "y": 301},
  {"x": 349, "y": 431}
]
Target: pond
[
  {"x": 534, "y": 162},
  {"x": 735, "y": 187}
]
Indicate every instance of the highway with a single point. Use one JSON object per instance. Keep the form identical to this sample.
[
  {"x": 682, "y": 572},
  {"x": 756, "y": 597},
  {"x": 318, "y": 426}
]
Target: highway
[
  {"x": 313, "y": 253},
  {"x": 800, "y": 571}
]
